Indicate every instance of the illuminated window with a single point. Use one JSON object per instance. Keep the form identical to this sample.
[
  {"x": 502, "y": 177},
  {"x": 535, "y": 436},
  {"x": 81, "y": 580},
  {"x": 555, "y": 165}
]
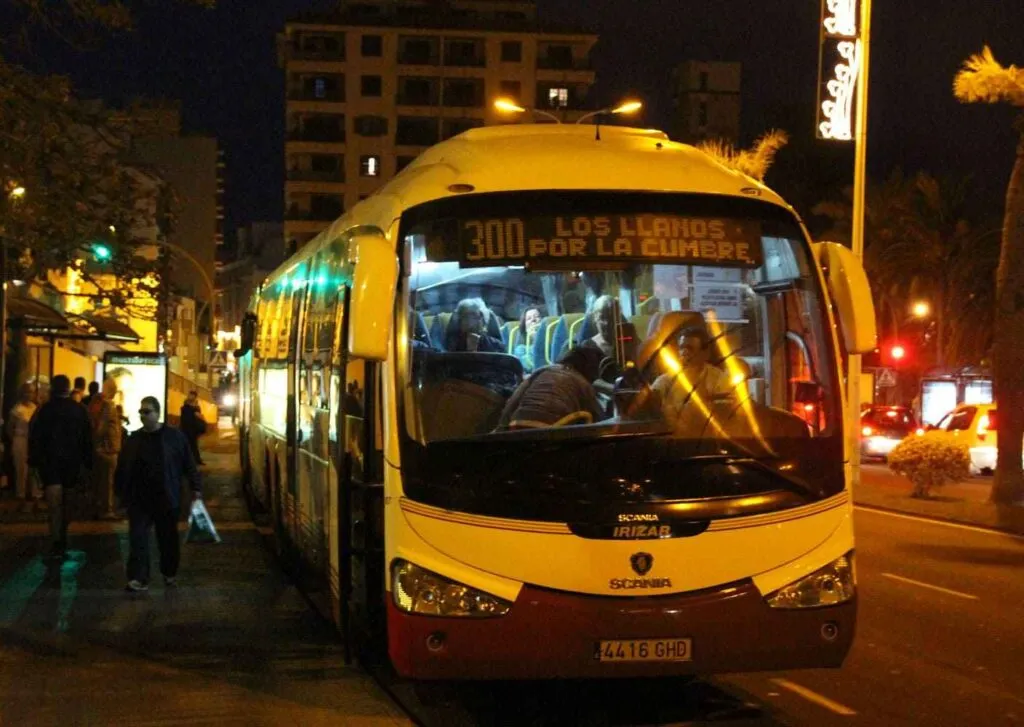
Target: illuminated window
[
  {"x": 369, "y": 165},
  {"x": 320, "y": 88},
  {"x": 558, "y": 97}
]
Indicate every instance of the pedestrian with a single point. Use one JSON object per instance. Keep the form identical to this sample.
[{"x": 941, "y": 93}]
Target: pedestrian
[
  {"x": 78, "y": 393},
  {"x": 60, "y": 445},
  {"x": 17, "y": 429},
  {"x": 94, "y": 389},
  {"x": 150, "y": 469},
  {"x": 105, "y": 418},
  {"x": 192, "y": 424}
]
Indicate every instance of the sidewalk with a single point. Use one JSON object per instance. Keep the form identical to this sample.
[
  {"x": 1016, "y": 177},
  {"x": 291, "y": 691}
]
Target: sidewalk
[
  {"x": 233, "y": 644},
  {"x": 964, "y": 502}
]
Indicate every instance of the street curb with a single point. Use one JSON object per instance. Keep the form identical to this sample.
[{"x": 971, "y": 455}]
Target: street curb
[{"x": 941, "y": 520}]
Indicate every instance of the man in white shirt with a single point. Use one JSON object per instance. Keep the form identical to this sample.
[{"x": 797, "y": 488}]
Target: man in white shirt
[{"x": 697, "y": 382}]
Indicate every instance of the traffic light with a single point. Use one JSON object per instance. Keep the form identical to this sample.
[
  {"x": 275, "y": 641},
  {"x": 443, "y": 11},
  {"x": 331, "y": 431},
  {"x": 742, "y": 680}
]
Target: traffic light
[
  {"x": 895, "y": 353},
  {"x": 101, "y": 252}
]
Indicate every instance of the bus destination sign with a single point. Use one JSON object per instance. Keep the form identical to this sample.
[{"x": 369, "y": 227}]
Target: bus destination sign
[{"x": 653, "y": 238}]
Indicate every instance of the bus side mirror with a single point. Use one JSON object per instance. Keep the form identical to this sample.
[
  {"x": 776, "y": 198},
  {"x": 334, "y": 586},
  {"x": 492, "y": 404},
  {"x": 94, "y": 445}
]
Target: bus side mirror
[
  {"x": 248, "y": 335},
  {"x": 372, "y": 302},
  {"x": 851, "y": 295}
]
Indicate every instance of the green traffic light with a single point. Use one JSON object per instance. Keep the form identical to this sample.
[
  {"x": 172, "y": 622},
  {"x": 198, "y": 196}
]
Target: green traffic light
[{"x": 102, "y": 252}]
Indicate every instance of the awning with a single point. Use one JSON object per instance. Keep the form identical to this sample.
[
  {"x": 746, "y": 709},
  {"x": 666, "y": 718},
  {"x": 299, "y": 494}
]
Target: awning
[
  {"x": 99, "y": 328},
  {"x": 38, "y": 319},
  {"x": 34, "y": 317}
]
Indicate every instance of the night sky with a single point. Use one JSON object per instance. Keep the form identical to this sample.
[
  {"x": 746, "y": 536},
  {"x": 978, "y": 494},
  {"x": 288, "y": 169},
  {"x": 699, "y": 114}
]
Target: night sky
[{"x": 222, "y": 65}]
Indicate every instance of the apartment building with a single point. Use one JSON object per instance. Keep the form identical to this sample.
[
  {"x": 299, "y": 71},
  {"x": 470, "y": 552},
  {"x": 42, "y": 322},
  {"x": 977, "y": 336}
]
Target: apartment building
[
  {"x": 370, "y": 88},
  {"x": 706, "y": 101}
]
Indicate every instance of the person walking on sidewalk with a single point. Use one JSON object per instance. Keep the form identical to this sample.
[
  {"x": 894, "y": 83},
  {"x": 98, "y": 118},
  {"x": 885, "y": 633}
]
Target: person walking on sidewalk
[
  {"x": 106, "y": 436},
  {"x": 17, "y": 429},
  {"x": 192, "y": 424},
  {"x": 60, "y": 445},
  {"x": 150, "y": 469}
]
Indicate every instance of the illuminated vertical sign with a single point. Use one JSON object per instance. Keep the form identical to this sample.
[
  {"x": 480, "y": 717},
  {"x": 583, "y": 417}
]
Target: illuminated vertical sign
[{"x": 839, "y": 65}]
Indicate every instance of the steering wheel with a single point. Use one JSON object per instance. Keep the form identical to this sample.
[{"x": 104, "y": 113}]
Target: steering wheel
[
  {"x": 576, "y": 417},
  {"x": 608, "y": 370}
]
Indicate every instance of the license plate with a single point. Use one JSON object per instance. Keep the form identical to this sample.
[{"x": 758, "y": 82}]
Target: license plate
[{"x": 645, "y": 650}]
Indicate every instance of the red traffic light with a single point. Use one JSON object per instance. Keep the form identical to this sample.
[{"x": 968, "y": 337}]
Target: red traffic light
[{"x": 897, "y": 352}]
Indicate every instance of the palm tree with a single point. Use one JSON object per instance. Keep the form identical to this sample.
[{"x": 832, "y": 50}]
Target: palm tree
[
  {"x": 753, "y": 162},
  {"x": 984, "y": 80}
]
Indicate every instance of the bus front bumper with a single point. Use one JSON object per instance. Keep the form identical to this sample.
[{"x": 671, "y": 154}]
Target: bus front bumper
[{"x": 551, "y": 634}]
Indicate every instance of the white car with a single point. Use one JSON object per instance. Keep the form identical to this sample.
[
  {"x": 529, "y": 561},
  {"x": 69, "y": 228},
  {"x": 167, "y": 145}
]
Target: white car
[{"x": 975, "y": 426}]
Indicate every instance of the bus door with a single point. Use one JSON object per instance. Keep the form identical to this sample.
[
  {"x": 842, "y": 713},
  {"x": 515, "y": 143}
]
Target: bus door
[
  {"x": 361, "y": 518},
  {"x": 313, "y": 426}
]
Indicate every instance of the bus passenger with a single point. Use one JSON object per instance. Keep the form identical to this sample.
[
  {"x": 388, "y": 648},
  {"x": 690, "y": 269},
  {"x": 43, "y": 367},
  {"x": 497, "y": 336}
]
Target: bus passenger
[
  {"x": 467, "y": 330},
  {"x": 615, "y": 337},
  {"x": 696, "y": 378},
  {"x": 557, "y": 394},
  {"x": 529, "y": 322}
]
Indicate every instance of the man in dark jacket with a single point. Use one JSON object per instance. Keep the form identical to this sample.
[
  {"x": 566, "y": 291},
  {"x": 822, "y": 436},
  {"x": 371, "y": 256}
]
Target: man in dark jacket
[
  {"x": 60, "y": 445},
  {"x": 192, "y": 424},
  {"x": 558, "y": 394},
  {"x": 150, "y": 468}
]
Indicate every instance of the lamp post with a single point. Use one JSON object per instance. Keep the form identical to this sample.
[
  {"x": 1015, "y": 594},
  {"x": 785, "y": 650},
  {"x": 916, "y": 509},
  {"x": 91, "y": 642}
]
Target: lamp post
[
  {"x": 626, "y": 107},
  {"x": 206, "y": 278},
  {"x": 511, "y": 107}
]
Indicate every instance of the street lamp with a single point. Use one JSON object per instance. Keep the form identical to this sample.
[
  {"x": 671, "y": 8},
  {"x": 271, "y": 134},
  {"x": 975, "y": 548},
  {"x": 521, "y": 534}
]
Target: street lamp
[
  {"x": 626, "y": 107},
  {"x": 17, "y": 193},
  {"x": 921, "y": 309},
  {"x": 511, "y": 107}
]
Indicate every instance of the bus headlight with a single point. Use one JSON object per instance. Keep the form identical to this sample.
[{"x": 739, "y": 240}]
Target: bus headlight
[
  {"x": 828, "y": 586},
  {"x": 417, "y": 590}
]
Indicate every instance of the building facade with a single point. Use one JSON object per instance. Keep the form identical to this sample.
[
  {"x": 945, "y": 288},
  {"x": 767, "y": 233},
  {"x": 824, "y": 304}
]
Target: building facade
[
  {"x": 371, "y": 87},
  {"x": 706, "y": 102}
]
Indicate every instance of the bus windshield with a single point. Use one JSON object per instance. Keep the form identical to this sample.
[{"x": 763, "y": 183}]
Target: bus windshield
[
  {"x": 693, "y": 333},
  {"x": 554, "y": 318}
]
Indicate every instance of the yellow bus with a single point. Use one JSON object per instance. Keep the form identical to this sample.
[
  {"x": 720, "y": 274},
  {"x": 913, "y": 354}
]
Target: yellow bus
[{"x": 547, "y": 405}]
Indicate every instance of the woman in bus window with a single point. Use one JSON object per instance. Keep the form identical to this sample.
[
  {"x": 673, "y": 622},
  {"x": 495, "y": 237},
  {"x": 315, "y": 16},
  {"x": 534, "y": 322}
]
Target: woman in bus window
[
  {"x": 467, "y": 330},
  {"x": 529, "y": 322}
]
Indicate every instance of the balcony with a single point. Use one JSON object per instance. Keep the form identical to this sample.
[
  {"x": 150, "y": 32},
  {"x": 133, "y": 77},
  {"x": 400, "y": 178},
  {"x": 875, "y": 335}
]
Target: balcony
[
  {"x": 309, "y": 175},
  {"x": 465, "y": 61},
  {"x": 331, "y": 95},
  {"x": 336, "y": 55},
  {"x": 416, "y": 58},
  {"x": 325, "y": 213},
  {"x": 558, "y": 63},
  {"x": 334, "y": 136}
]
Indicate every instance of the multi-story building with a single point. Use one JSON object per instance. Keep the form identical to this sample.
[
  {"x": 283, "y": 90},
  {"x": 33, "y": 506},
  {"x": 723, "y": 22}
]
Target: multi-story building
[
  {"x": 372, "y": 86},
  {"x": 706, "y": 102}
]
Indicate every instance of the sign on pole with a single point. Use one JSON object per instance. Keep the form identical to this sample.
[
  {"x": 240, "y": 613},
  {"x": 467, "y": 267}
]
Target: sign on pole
[
  {"x": 885, "y": 378},
  {"x": 839, "y": 68}
]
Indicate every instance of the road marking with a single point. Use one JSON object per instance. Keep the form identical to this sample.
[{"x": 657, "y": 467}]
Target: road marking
[
  {"x": 934, "y": 521},
  {"x": 815, "y": 697},
  {"x": 951, "y": 592}
]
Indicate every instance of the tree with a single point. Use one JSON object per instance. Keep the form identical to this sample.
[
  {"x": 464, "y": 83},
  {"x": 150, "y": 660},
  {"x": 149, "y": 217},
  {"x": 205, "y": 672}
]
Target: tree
[
  {"x": 753, "y": 162},
  {"x": 984, "y": 80},
  {"x": 921, "y": 244},
  {"x": 80, "y": 189}
]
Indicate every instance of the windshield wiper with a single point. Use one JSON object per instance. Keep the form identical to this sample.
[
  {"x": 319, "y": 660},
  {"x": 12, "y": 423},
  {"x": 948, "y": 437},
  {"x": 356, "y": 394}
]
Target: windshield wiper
[{"x": 794, "y": 484}]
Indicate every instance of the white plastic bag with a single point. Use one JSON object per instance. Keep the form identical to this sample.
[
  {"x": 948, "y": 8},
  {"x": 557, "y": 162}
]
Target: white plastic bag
[{"x": 200, "y": 525}]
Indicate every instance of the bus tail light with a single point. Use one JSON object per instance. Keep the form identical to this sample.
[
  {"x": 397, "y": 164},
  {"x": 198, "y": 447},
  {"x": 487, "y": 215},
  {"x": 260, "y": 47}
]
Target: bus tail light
[
  {"x": 828, "y": 586},
  {"x": 417, "y": 590}
]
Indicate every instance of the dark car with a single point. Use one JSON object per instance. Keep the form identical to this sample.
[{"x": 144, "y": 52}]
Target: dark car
[{"x": 883, "y": 427}]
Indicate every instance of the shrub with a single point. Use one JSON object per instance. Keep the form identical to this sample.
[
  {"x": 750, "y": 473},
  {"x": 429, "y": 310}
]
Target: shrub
[{"x": 930, "y": 462}]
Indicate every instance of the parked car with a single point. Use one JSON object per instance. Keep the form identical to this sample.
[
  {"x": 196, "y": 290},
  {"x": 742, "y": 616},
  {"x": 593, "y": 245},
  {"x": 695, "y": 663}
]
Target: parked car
[
  {"x": 883, "y": 427},
  {"x": 975, "y": 426}
]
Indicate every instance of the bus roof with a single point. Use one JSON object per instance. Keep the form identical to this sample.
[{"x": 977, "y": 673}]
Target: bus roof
[{"x": 545, "y": 156}]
